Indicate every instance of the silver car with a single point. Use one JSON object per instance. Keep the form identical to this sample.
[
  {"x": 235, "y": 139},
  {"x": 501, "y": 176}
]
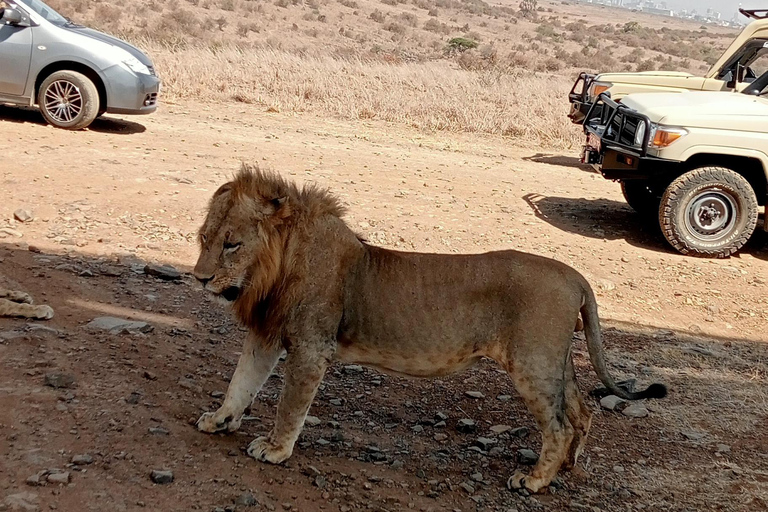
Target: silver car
[{"x": 73, "y": 73}]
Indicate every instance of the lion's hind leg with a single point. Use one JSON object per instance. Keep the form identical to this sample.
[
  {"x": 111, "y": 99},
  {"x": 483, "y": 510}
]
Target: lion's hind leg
[
  {"x": 540, "y": 380},
  {"x": 578, "y": 414},
  {"x": 14, "y": 296}
]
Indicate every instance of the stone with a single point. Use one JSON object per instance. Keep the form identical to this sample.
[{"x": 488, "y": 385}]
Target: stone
[
  {"x": 397, "y": 464},
  {"x": 217, "y": 394},
  {"x": 336, "y": 401},
  {"x": 158, "y": 431},
  {"x": 485, "y": 443},
  {"x": 353, "y": 368},
  {"x": 417, "y": 429},
  {"x": 474, "y": 394},
  {"x": 82, "y": 460},
  {"x": 246, "y": 500},
  {"x": 467, "y": 487},
  {"x": 635, "y": 410},
  {"x": 11, "y": 232},
  {"x": 149, "y": 375},
  {"x": 312, "y": 421},
  {"x": 37, "y": 479},
  {"x": 22, "y": 215},
  {"x": 439, "y": 437},
  {"x": 477, "y": 477},
  {"x": 694, "y": 436},
  {"x": 190, "y": 385},
  {"x": 526, "y": 456},
  {"x": 58, "y": 477},
  {"x": 605, "y": 285},
  {"x": 612, "y": 402},
  {"x": 504, "y": 398},
  {"x": 500, "y": 429},
  {"x": 116, "y": 325},
  {"x": 164, "y": 272},
  {"x": 466, "y": 426},
  {"x": 723, "y": 448},
  {"x": 441, "y": 416},
  {"x": 160, "y": 476},
  {"x": 23, "y": 502},
  {"x": 59, "y": 380},
  {"x": 520, "y": 432}
]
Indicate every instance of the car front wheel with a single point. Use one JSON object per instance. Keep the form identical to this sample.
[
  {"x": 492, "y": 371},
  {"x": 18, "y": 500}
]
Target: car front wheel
[
  {"x": 69, "y": 100},
  {"x": 709, "y": 212}
]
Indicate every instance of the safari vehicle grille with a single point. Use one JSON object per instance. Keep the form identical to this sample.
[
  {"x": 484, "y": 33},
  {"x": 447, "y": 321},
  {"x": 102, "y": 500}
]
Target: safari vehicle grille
[{"x": 617, "y": 125}]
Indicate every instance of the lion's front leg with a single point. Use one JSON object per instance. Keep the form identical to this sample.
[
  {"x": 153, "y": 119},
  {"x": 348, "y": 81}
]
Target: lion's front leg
[
  {"x": 303, "y": 374},
  {"x": 253, "y": 369}
]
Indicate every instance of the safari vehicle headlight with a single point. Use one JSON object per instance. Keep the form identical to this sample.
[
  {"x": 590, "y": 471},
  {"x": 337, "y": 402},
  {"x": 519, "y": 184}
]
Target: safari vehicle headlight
[
  {"x": 598, "y": 88},
  {"x": 136, "y": 66},
  {"x": 640, "y": 134},
  {"x": 666, "y": 135}
]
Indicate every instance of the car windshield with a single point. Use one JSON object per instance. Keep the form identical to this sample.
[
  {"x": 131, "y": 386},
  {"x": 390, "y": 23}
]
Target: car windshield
[{"x": 46, "y": 12}]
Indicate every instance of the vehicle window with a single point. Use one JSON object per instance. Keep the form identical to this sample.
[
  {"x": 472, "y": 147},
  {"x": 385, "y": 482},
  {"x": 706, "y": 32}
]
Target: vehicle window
[
  {"x": 760, "y": 63},
  {"x": 46, "y": 12}
]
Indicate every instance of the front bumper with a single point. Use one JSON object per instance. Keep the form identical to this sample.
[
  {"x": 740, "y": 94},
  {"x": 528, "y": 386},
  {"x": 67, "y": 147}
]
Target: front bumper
[
  {"x": 130, "y": 93},
  {"x": 612, "y": 148}
]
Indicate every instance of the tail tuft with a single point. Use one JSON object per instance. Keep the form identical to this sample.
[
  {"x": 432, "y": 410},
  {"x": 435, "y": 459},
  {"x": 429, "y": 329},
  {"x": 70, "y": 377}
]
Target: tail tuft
[{"x": 655, "y": 391}]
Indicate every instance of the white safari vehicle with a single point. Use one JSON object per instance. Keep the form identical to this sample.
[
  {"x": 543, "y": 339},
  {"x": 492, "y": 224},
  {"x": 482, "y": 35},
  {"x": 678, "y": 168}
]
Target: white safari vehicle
[{"x": 697, "y": 160}]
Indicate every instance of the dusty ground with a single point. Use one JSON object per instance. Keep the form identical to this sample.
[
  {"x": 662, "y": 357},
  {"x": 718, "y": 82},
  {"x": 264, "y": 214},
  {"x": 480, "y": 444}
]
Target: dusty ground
[{"x": 133, "y": 190}]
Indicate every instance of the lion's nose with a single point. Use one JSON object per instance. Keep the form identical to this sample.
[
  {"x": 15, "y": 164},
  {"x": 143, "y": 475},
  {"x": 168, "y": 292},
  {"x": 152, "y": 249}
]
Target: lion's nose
[{"x": 203, "y": 279}]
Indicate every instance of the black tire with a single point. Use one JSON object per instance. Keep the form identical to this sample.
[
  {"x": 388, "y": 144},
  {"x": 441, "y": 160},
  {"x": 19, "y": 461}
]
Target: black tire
[
  {"x": 641, "y": 197},
  {"x": 69, "y": 100},
  {"x": 709, "y": 212}
]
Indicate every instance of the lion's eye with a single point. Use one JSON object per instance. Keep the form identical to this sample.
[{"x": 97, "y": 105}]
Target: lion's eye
[{"x": 231, "y": 246}]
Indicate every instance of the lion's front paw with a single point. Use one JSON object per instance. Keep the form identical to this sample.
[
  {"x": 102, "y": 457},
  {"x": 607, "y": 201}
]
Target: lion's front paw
[
  {"x": 44, "y": 312},
  {"x": 264, "y": 450},
  {"x": 522, "y": 483},
  {"x": 212, "y": 422},
  {"x": 20, "y": 297}
]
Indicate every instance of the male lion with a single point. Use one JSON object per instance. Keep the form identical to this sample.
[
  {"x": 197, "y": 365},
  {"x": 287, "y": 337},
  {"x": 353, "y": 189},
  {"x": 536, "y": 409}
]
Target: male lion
[{"x": 302, "y": 281}]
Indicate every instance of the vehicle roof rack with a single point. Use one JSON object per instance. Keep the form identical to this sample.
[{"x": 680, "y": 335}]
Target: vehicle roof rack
[{"x": 758, "y": 14}]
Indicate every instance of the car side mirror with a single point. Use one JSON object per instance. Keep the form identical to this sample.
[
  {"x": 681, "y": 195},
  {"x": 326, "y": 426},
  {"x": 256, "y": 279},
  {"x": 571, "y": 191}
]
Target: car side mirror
[
  {"x": 736, "y": 76},
  {"x": 730, "y": 82},
  {"x": 11, "y": 16}
]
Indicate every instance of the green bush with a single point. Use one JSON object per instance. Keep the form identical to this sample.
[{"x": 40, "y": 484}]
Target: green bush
[{"x": 462, "y": 44}]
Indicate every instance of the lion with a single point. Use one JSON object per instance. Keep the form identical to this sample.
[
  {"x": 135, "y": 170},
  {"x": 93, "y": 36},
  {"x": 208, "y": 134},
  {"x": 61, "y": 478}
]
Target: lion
[
  {"x": 20, "y": 304},
  {"x": 302, "y": 281}
]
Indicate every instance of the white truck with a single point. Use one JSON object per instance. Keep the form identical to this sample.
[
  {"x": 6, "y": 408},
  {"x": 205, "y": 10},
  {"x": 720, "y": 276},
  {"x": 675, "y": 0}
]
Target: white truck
[
  {"x": 698, "y": 161},
  {"x": 739, "y": 66}
]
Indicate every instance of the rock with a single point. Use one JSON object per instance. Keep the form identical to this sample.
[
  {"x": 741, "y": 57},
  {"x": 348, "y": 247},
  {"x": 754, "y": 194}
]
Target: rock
[
  {"x": 441, "y": 416},
  {"x": 618, "y": 469},
  {"x": 161, "y": 476},
  {"x": 526, "y": 456},
  {"x": 485, "y": 443},
  {"x": 217, "y": 394},
  {"x": 474, "y": 394},
  {"x": 519, "y": 432},
  {"x": 158, "y": 431},
  {"x": 82, "y": 460},
  {"x": 635, "y": 410},
  {"x": 133, "y": 398},
  {"x": 59, "y": 477},
  {"x": 504, "y": 398},
  {"x": 439, "y": 437},
  {"x": 59, "y": 380},
  {"x": 477, "y": 477},
  {"x": 37, "y": 479},
  {"x": 698, "y": 350},
  {"x": 116, "y": 325},
  {"x": 694, "y": 436},
  {"x": 417, "y": 429},
  {"x": 164, "y": 272},
  {"x": 466, "y": 426},
  {"x": 246, "y": 500},
  {"x": 612, "y": 402},
  {"x": 336, "y": 401},
  {"x": 190, "y": 385},
  {"x": 23, "y": 502},
  {"x": 353, "y": 368},
  {"x": 467, "y": 487},
  {"x": 606, "y": 285},
  {"x": 149, "y": 375},
  {"x": 22, "y": 215},
  {"x": 11, "y": 232},
  {"x": 500, "y": 429},
  {"x": 398, "y": 464},
  {"x": 312, "y": 421},
  {"x": 723, "y": 448}
]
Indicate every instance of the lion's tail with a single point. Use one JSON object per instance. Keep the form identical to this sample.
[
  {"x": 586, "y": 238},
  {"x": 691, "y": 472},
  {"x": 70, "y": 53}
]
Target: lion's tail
[{"x": 597, "y": 354}]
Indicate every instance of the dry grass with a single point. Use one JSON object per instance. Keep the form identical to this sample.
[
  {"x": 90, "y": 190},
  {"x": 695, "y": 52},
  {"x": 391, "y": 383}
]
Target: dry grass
[{"x": 430, "y": 96}]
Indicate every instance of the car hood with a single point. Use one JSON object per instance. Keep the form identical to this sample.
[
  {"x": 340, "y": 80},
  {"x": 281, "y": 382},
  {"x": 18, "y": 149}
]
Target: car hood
[
  {"x": 644, "y": 77},
  {"x": 700, "y": 109},
  {"x": 106, "y": 38}
]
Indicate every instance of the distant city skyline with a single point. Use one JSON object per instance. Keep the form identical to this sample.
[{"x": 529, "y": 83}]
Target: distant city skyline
[{"x": 726, "y": 7}]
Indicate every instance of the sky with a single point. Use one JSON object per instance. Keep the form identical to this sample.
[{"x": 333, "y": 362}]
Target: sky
[{"x": 726, "y": 7}]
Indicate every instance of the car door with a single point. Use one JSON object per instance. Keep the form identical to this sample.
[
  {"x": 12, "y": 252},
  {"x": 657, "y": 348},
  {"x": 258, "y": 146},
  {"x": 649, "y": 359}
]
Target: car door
[{"x": 15, "y": 58}]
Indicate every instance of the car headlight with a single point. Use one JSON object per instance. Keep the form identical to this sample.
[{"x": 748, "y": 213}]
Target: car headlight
[
  {"x": 597, "y": 88},
  {"x": 640, "y": 134},
  {"x": 666, "y": 135},
  {"x": 136, "y": 66}
]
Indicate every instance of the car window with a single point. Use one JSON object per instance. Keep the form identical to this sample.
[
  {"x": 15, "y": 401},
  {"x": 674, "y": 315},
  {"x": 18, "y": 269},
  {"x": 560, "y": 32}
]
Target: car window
[
  {"x": 46, "y": 12},
  {"x": 760, "y": 63}
]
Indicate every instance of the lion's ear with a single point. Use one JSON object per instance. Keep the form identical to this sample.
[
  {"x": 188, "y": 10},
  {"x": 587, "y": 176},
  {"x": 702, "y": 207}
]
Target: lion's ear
[
  {"x": 281, "y": 206},
  {"x": 222, "y": 189}
]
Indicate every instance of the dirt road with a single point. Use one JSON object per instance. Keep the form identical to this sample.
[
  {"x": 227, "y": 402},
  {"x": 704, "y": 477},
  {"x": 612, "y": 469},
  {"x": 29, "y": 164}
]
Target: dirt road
[{"x": 133, "y": 190}]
